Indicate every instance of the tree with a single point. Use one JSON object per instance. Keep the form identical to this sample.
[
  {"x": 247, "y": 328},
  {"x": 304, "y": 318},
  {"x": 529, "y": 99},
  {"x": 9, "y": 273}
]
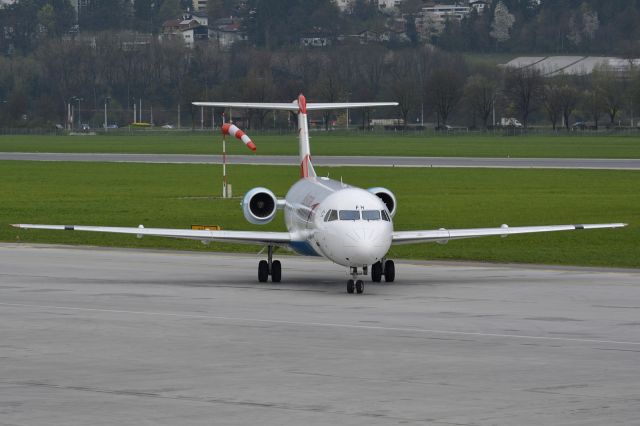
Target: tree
[
  {"x": 217, "y": 9},
  {"x": 403, "y": 72},
  {"x": 102, "y": 15},
  {"x": 523, "y": 88},
  {"x": 169, "y": 9},
  {"x": 569, "y": 98},
  {"x": 481, "y": 94},
  {"x": 144, "y": 12},
  {"x": 502, "y": 23},
  {"x": 445, "y": 90},
  {"x": 551, "y": 99},
  {"x": 610, "y": 89}
]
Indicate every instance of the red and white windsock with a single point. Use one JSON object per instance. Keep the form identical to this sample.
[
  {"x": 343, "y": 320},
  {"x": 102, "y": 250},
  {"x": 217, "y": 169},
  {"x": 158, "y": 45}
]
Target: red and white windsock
[{"x": 233, "y": 130}]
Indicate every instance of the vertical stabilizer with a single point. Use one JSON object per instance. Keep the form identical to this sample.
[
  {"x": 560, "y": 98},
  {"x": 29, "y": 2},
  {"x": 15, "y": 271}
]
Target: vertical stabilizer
[{"x": 306, "y": 168}]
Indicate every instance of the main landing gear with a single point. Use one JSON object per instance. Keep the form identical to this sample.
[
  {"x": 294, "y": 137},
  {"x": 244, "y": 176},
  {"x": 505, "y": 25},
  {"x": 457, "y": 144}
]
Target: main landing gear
[
  {"x": 269, "y": 267},
  {"x": 384, "y": 267}
]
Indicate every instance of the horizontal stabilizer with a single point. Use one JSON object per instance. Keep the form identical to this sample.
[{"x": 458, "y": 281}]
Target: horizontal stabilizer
[{"x": 293, "y": 106}]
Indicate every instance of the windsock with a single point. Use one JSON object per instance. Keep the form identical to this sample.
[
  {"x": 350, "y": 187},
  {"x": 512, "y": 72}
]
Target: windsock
[{"x": 233, "y": 130}]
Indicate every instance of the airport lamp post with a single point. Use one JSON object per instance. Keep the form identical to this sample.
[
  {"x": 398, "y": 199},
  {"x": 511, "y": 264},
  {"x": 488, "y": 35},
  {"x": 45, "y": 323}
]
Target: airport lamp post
[
  {"x": 106, "y": 101},
  {"x": 77, "y": 99}
]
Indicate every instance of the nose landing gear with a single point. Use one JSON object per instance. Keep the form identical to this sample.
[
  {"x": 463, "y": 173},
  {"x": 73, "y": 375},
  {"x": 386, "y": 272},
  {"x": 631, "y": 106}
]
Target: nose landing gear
[
  {"x": 354, "y": 283},
  {"x": 269, "y": 267}
]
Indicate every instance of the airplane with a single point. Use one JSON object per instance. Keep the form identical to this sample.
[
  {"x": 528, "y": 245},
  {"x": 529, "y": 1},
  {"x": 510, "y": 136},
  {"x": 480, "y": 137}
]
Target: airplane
[{"x": 349, "y": 226}]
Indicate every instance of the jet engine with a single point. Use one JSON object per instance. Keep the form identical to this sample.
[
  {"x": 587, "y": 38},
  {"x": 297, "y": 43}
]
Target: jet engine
[
  {"x": 387, "y": 198},
  {"x": 259, "y": 206}
]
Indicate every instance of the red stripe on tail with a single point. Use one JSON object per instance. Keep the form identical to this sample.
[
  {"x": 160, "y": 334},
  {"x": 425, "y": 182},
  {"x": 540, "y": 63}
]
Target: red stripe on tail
[{"x": 304, "y": 167}]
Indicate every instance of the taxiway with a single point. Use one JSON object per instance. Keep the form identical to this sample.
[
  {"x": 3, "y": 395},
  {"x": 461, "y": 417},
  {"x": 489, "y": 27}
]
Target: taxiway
[
  {"x": 109, "y": 337},
  {"x": 278, "y": 160}
]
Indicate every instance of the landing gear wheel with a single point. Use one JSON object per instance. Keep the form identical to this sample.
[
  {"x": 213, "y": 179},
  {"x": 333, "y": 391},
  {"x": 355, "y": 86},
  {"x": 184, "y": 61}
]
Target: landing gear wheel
[
  {"x": 263, "y": 271},
  {"x": 389, "y": 271},
  {"x": 276, "y": 271},
  {"x": 360, "y": 286},
  {"x": 376, "y": 272},
  {"x": 350, "y": 286}
]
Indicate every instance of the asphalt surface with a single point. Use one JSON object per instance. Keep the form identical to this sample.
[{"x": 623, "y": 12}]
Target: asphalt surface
[
  {"x": 526, "y": 163},
  {"x": 112, "y": 337}
]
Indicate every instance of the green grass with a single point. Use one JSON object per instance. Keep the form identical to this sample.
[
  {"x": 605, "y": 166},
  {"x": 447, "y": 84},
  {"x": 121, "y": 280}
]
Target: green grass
[
  {"x": 561, "y": 146},
  {"x": 177, "y": 196}
]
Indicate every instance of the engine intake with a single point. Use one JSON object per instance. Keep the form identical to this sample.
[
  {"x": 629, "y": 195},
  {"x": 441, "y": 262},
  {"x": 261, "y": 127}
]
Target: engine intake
[
  {"x": 259, "y": 206},
  {"x": 387, "y": 198}
]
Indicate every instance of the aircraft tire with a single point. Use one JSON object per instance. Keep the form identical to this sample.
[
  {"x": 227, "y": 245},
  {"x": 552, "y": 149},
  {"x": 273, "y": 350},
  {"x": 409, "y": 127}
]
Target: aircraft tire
[
  {"x": 350, "y": 286},
  {"x": 276, "y": 271},
  {"x": 389, "y": 271},
  {"x": 263, "y": 271},
  {"x": 360, "y": 286},
  {"x": 376, "y": 272}
]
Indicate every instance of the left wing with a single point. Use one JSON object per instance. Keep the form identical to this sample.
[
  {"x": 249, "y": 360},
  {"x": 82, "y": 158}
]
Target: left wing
[
  {"x": 444, "y": 235},
  {"x": 243, "y": 237}
]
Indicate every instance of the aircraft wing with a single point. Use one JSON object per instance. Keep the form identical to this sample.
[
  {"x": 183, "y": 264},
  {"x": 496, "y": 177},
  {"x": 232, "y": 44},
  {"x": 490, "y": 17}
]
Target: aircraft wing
[
  {"x": 444, "y": 235},
  {"x": 242, "y": 237}
]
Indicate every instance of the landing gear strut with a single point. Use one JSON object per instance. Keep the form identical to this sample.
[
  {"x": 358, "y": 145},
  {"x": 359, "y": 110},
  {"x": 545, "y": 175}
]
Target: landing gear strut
[
  {"x": 269, "y": 267},
  {"x": 355, "y": 283},
  {"x": 384, "y": 267}
]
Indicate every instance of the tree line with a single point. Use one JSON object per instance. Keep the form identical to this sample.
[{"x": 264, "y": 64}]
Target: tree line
[{"x": 431, "y": 86}]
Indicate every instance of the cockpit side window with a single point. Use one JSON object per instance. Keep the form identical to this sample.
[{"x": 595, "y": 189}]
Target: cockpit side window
[
  {"x": 385, "y": 216},
  {"x": 371, "y": 214},
  {"x": 349, "y": 214},
  {"x": 331, "y": 216}
]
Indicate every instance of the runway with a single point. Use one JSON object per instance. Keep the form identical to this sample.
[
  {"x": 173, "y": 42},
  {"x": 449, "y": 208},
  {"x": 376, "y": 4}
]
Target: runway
[
  {"x": 524, "y": 163},
  {"x": 108, "y": 337}
]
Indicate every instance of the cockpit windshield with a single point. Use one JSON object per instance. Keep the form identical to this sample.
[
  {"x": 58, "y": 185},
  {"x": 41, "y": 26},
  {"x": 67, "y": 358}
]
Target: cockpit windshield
[
  {"x": 371, "y": 214},
  {"x": 331, "y": 216},
  {"x": 367, "y": 215},
  {"x": 349, "y": 214}
]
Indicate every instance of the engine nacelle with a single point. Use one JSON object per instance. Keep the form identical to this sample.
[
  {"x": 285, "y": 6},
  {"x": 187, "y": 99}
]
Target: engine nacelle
[
  {"x": 259, "y": 206},
  {"x": 387, "y": 198}
]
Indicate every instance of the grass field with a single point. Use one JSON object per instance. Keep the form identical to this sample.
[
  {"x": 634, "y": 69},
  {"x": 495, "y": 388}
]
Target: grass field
[
  {"x": 181, "y": 195},
  {"x": 466, "y": 145}
]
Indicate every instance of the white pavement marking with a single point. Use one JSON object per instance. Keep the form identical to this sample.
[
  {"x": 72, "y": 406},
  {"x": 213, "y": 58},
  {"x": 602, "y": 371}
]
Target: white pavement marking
[{"x": 324, "y": 324}]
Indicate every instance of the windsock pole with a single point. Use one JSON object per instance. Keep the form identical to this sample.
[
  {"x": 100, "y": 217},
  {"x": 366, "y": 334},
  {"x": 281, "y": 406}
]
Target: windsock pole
[{"x": 224, "y": 161}]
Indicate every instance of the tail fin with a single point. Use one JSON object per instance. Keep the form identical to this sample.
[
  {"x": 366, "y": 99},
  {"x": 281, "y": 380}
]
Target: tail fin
[
  {"x": 306, "y": 167},
  {"x": 301, "y": 107}
]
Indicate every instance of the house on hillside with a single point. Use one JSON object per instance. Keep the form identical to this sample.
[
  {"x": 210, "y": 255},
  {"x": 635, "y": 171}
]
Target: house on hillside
[
  {"x": 227, "y": 31},
  {"x": 189, "y": 30}
]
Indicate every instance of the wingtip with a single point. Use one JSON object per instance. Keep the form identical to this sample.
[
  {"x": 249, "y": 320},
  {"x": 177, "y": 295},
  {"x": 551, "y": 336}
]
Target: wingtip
[{"x": 15, "y": 225}]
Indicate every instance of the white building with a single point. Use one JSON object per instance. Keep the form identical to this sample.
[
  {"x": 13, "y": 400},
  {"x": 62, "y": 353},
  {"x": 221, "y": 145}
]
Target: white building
[
  {"x": 389, "y": 6},
  {"x": 200, "y": 5},
  {"x": 344, "y": 5}
]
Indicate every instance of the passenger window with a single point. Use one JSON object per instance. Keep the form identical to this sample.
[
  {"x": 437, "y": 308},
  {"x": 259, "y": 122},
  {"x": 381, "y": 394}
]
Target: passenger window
[
  {"x": 371, "y": 214},
  {"x": 349, "y": 215},
  {"x": 385, "y": 216},
  {"x": 331, "y": 216}
]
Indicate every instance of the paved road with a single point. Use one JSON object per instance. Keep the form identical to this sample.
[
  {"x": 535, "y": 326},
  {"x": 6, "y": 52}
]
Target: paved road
[
  {"x": 527, "y": 163},
  {"x": 112, "y": 337}
]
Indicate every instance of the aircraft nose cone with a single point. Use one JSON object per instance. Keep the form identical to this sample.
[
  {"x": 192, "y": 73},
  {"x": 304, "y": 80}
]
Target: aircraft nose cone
[{"x": 366, "y": 246}]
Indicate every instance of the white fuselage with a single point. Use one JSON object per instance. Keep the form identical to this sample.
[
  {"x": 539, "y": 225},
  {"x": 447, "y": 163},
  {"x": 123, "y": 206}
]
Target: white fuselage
[{"x": 347, "y": 225}]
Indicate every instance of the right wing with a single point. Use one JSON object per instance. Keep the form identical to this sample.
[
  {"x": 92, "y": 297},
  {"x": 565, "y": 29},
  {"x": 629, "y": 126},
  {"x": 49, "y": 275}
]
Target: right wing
[
  {"x": 444, "y": 235},
  {"x": 243, "y": 237}
]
